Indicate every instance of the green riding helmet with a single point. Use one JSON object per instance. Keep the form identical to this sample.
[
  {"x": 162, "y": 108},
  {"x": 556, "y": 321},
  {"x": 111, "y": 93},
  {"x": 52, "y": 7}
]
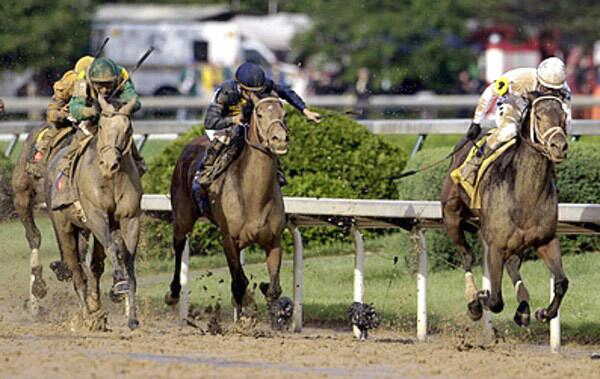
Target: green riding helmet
[{"x": 103, "y": 70}]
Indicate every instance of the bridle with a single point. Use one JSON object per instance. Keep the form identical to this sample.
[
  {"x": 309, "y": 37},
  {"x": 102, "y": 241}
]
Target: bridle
[
  {"x": 538, "y": 140},
  {"x": 263, "y": 144},
  {"x": 127, "y": 149}
]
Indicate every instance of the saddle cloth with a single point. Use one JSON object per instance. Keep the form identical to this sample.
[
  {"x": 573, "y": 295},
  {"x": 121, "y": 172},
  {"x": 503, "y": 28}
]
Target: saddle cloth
[{"x": 472, "y": 190}]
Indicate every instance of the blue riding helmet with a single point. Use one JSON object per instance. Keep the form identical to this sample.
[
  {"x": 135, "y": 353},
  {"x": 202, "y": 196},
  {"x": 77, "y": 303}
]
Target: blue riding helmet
[{"x": 250, "y": 77}]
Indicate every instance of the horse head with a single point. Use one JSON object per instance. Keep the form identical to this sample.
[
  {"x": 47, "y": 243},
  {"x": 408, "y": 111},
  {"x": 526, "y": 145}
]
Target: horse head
[
  {"x": 547, "y": 126},
  {"x": 114, "y": 135},
  {"x": 268, "y": 126}
]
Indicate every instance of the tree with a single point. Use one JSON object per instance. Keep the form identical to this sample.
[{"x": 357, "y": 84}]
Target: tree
[
  {"x": 398, "y": 40},
  {"x": 43, "y": 34}
]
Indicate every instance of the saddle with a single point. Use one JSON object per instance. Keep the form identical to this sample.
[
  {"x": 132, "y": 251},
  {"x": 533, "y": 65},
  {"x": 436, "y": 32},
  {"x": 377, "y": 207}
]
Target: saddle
[
  {"x": 472, "y": 189},
  {"x": 224, "y": 158}
]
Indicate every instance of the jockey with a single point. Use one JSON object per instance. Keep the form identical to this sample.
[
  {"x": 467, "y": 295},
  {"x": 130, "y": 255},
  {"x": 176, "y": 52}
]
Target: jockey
[
  {"x": 512, "y": 90},
  {"x": 102, "y": 77},
  {"x": 57, "y": 115},
  {"x": 232, "y": 105}
]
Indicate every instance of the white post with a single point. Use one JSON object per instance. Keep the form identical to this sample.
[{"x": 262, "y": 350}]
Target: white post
[
  {"x": 242, "y": 258},
  {"x": 183, "y": 280},
  {"x": 422, "y": 288},
  {"x": 554, "y": 324},
  {"x": 298, "y": 268},
  {"x": 359, "y": 270},
  {"x": 486, "y": 285}
]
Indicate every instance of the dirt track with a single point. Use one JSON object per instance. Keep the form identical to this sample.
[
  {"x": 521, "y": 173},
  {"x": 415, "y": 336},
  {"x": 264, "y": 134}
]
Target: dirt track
[{"x": 161, "y": 348}]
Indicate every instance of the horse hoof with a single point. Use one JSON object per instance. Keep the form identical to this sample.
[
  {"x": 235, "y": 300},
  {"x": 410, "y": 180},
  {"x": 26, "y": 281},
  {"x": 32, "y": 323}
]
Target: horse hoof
[
  {"x": 133, "y": 324},
  {"x": 264, "y": 287},
  {"x": 475, "y": 310},
  {"x": 120, "y": 287},
  {"x": 171, "y": 300},
  {"x": 61, "y": 271},
  {"x": 523, "y": 314},
  {"x": 542, "y": 315},
  {"x": 116, "y": 297},
  {"x": 39, "y": 288}
]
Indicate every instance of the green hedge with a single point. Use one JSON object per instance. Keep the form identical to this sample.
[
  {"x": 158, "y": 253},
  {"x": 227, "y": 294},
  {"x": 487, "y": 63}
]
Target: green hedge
[
  {"x": 7, "y": 209},
  {"x": 578, "y": 179},
  {"x": 335, "y": 158}
]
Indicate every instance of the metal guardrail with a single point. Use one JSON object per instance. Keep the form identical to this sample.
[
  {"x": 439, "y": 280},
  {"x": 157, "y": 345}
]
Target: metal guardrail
[
  {"x": 419, "y": 101},
  {"x": 410, "y": 215}
]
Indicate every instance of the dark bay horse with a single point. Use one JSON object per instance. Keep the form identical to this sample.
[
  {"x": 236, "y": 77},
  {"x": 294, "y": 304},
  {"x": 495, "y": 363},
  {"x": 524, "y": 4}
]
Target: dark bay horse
[
  {"x": 110, "y": 193},
  {"x": 519, "y": 210},
  {"x": 245, "y": 202},
  {"x": 29, "y": 191}
]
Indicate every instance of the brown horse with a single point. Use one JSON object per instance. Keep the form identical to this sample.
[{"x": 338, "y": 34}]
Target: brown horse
[
  {"x": 110, "y": 193},
  {"x": 29, "y": 191},
  {"x": 519, "y": 210},
  {"x": 245, "y": 202}
]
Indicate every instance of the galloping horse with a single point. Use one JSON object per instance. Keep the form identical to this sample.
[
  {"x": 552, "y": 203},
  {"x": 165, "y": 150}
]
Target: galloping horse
[
  {"x": 110, "y": 193},
  {"x": 245, "y": 202},
  {"x": 519, "y": 210},
  {"x": 29, "y": 190}
]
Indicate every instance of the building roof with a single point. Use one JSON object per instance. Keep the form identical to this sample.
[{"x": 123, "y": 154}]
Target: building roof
[{"x": 160, "y": 12}]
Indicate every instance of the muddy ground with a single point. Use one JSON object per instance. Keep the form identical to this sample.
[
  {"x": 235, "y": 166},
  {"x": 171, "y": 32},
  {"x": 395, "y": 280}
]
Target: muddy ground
[{"x": 55, "y": 347}]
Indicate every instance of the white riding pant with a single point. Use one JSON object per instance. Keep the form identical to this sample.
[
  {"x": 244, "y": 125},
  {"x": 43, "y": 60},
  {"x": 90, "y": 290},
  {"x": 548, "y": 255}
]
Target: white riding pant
[{"x": 221, "y": 135}]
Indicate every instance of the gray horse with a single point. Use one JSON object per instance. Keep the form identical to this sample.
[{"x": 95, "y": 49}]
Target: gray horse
[
  {"x": 245, "y": 202},
  {"x": 110, "y": 193},
  {"x": 519, "y": 210}
]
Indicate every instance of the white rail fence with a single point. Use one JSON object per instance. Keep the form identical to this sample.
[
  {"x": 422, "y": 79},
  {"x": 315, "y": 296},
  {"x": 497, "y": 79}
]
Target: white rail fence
[
  {"x": 415, "y": 216},
  {"x": 423, "y": 100},
  {"x": 144, "y": 128}
]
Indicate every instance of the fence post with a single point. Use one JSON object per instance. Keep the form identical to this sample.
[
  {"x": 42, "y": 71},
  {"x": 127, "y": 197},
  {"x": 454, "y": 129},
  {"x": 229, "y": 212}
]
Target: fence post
[
  {"x": 183, "y": 279},
  {"x": 298, "y": 273},
  {"x": 486, "y": 285},
  {"x": 11, "y": 146},
  {"x": 554, "y": 324},
  {"x": 422, "y": 286},
  {"x": 359, "y": 270}
]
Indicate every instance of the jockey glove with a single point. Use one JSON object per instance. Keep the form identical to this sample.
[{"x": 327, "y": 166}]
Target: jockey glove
[{"x": 473, "y": 131}]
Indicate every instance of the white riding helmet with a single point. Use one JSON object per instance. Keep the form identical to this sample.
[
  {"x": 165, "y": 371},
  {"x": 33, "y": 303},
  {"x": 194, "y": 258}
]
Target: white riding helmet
[{"x": 552, "y": 73}]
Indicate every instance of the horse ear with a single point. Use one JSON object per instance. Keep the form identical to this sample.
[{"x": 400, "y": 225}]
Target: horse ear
[
  {"x": 128, "y": 107},
  {"x": 103, "y": 104}
]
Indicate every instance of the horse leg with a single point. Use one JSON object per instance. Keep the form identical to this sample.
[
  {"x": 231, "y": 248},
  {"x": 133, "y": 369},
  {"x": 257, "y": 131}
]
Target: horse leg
[
  {"x": 130, "y": 231},
  {"x": 67, "y": 242},
  {"x": 99, "y": 225},
  {"x": 453, "y": 222},
  {"x": 523, "y": 313},
  {"x": 493, "y": 299},
  {"x": 239, "y": 281},
  {"x": 97, "y": 268},
  {"x": 179, "y": 240},
  {"x": 550, "y": 253},
  {"x": 23, "y": 202},
  {"x": 272, "y": 290}
]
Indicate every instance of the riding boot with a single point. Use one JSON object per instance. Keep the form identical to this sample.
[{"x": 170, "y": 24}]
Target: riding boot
[
  {"x": 471, "y": 168},
  {"x": 36, "y": 165},
  {"x": 140, "y": 163},
  {"x": 212, "y": 153}
]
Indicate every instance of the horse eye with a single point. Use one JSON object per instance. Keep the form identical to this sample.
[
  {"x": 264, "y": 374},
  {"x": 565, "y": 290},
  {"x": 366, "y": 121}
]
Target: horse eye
[{"x": 259, "y": 115}]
